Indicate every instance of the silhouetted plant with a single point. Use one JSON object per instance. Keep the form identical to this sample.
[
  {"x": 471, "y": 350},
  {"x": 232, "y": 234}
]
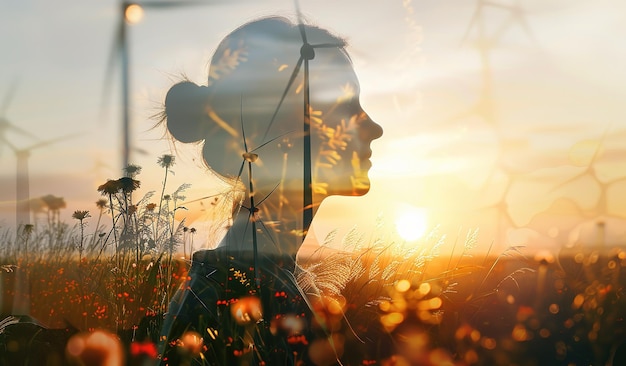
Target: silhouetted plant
[
  {"x": 132, "y": 170},
  {"x": 101, "y": 204},
  {"x": 110, "y": 188},
  {"x": 166, "y": 162},
  {"x": 81, "y": 216}
]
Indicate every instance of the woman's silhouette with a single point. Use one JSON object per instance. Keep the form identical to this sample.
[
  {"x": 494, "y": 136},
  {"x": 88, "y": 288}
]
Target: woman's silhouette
[{"x": 249, "y": 118}]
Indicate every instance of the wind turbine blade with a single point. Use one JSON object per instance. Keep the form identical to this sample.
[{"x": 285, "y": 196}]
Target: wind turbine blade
[
  {"x": 269, "y": 235},
  {"x": 243, "y": 130},
  {"x": 116, "y": 49},
  {"x": 302, "y": 32},
  {"x": 498, "y": 33},
  {"x": 267, "y": 196},
  {"x": 20, "y": 130},
  {"x": 524, "y": 24},
  {"x": 269, "y": 141},
  {"x": 50, "y": 142},
  {"x": 327, "y": 45},
  {"x": 245, "y": 229},
  {"x": 300, "y": 23},
  {"x": 293, "y": 76},
  {"x": 8, "y": 97},
  {"x": 475, "y": 18},
  {"x": 10, "y": 145},
  {"x": 243, "y": 163},
  {"x": 203, "y": 198}
]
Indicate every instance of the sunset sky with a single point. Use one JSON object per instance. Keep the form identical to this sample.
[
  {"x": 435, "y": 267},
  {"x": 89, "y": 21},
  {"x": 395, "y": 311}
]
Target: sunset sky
[{"x": 520, "y": 131}]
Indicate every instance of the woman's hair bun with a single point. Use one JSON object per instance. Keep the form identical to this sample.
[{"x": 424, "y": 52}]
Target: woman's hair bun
[{"x": 186, "y": 107}]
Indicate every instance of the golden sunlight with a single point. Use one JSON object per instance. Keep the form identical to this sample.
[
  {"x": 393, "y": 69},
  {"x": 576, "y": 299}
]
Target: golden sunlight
[
  {"x": 133, "y": 13},
  {"x": 411, "y": 222},
  {"x": 584, "y": 152}
]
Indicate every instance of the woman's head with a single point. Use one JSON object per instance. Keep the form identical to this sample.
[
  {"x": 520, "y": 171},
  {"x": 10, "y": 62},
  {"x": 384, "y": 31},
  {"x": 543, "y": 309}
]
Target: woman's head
[{"x": 248, "y": 78}]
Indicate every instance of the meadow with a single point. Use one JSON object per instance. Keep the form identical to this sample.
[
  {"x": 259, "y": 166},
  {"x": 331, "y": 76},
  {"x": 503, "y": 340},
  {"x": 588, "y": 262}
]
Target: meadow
[{"x": 87, "y": 297}]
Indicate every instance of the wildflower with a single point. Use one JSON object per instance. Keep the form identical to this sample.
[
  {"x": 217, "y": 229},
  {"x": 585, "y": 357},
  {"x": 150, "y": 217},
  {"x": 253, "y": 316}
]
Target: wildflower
[
  {"x": 54, "y": 203},
  {"x": 247, "y": 310},
  {"x": 110, "y": 187},
  {"x": 148, "y": 349},
  {"x": 132, "y": 170},
  {"x": 151, "y": 206},
  {"x": 191, "y": 343},
  {"x": 128, "y": 184},
  {"x": 101, "y": 203},
  {"x": 28, "y": 228},
  {"x": 166, "y": 161},
  {"x": 80, "y": 215}
]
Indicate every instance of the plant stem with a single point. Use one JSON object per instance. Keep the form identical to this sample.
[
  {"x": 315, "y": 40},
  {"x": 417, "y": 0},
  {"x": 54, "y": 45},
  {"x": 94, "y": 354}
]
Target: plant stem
[{"x": 156, "y": 230}]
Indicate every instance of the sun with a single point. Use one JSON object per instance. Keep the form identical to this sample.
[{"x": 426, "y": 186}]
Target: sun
[
  {"x": 133, "y": 13},
  {"x": 411, "y": 222}
]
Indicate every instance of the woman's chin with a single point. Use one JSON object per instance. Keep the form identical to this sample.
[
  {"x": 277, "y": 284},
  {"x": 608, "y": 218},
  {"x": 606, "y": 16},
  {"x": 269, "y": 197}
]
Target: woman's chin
[
  {"x": 357, "y": 187},
  {"x": 361, "y": 190}
]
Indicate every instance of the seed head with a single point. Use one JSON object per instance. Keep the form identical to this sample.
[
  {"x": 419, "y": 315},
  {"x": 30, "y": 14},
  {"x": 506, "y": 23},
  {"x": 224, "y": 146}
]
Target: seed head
[{"x": 166, "y": 161}]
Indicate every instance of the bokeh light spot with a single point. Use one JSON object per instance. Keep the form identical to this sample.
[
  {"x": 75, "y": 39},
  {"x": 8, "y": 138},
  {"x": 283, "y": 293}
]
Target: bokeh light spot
[{"x": 133, "y": 13}]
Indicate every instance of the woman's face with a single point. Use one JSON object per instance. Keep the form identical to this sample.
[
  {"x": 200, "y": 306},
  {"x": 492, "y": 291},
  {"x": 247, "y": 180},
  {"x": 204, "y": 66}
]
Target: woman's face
[{"x": 341, "y": 130}]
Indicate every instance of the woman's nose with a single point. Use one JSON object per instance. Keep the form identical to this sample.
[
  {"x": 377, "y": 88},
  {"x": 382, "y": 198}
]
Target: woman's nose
[{"x": 371, "y": 129}]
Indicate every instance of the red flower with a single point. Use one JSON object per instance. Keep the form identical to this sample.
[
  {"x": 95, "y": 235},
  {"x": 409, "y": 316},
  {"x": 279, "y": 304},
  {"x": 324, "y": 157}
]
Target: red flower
[{"x": 147, "y": 348}]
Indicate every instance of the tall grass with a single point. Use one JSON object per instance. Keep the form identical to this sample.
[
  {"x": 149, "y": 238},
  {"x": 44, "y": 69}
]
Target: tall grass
[
  {"x": 107, "y": 277},
  {"x": 371, "y": 301}
]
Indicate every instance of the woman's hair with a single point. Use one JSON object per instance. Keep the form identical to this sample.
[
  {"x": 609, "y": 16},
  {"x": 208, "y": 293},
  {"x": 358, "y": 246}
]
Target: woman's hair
[{"x": 248, "y": 75}]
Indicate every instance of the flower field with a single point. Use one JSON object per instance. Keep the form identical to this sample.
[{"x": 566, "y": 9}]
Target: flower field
[
  {"x": 71, "y": 296},
  {"x": 371, "y": 307}
]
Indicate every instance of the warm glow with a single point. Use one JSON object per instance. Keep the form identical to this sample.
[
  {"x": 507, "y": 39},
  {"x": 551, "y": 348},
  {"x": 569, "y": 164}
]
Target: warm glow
[
  {"x": 133, "y": 13},
  {"x": 411, "y": 222},
  {"x": 583, "y": 152}
]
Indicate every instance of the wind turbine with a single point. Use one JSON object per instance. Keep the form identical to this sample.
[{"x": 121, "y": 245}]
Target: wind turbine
[
  {"x": 485, "y": 41},
  {"x": 22, "y": 178},
  {"x": 22, "y": 185},
  {"x": 130, "y": 13},
  {"x": 5, "y": 125},
  {"x": 307, "y": 53}
]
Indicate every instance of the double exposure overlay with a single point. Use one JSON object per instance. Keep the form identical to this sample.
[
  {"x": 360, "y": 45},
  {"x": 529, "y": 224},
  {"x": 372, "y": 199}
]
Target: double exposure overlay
[{"x": 209, "y": 183}]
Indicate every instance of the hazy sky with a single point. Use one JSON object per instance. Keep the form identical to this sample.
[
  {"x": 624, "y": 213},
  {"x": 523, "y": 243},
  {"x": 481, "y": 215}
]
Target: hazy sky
[{"x": 554, "y": 77}]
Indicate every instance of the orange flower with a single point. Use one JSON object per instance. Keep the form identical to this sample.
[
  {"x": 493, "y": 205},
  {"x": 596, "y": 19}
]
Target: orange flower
[
  {"x": 247, "y": 310},
  {"x": 191, "y": 343}
]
